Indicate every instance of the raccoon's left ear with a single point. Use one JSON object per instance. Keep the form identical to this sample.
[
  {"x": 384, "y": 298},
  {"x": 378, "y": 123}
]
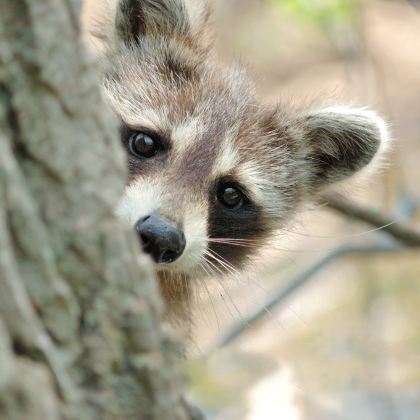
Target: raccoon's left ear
[
  {"x": 136, "y": 19},
  {"x": 337, "y": 142}
]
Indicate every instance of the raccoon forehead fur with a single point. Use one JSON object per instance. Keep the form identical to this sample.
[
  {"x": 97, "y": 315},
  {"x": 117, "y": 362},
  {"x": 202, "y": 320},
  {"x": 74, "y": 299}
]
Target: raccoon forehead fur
[{"x": 162, "y": 78}]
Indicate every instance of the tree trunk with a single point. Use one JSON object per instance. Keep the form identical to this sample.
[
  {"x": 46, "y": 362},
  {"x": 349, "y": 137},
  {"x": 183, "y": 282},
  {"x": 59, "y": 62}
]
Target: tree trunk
[{"x": 80, "y": 331}]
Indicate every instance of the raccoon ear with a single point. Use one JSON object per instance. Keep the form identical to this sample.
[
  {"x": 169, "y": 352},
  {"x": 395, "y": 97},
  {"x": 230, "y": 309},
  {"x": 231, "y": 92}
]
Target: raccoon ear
[
  {"x": 129, "y": 20},
  {"x": 340, "y": 141},
  {"x": 135, "y": 19}
]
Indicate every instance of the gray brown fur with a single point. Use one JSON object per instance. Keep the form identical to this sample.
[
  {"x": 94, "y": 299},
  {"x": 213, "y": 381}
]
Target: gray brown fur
[{"x": 162, "y": 76}]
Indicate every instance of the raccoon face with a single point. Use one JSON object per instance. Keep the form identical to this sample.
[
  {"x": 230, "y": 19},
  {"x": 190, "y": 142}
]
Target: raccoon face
[
  {"x": 212, "y": 172},
  {"x": 195, "y": 147}
]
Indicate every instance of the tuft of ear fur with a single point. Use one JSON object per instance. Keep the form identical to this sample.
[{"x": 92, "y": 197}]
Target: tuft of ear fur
[
  {"x": 183, "y": 19},
  {"x": 337, "y": 142}
]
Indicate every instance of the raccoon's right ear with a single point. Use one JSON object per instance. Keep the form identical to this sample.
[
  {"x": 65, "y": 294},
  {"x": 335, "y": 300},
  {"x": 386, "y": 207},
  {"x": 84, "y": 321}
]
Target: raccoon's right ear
[
  {"x": 336, "y": 142},
  {"x": 136, "y": 19}
]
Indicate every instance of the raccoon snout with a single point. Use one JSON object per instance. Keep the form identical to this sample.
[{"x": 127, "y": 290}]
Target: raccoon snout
[{"x": 160, "y": 239}]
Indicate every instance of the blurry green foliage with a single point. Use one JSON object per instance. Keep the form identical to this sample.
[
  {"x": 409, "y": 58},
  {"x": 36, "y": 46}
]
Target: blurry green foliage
[
  {"x": 207, "y": 388},
  {"x": 322, "y": 13}
]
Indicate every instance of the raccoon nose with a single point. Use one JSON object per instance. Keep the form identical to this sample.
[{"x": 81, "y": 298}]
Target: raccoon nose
[{"x": 160, "y": 239}]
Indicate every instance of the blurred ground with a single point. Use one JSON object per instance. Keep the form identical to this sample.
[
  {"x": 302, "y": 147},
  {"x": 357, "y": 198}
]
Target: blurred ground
[{"x": 347, "y": 345}]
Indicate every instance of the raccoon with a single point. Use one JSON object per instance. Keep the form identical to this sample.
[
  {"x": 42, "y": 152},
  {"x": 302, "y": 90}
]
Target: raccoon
[{"x": 212, "y": 171}]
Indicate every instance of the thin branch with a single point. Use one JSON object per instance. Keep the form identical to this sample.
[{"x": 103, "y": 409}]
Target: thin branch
[
  {"x": 301, "y": 279},
  {"x": 404, "y": 233}
]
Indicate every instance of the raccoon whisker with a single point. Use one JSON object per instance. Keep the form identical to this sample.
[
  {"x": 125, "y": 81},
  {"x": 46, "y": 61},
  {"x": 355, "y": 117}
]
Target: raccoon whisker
[
  {"x": 207, "y": 268},
  {"x": 224, "y": 291},
  {"x": 204, "y": 266},
  {"x": 231, "y": 244},
  {"x": 227, "y": 293},
  {"x": 213, "y": 264},
  {"x": 227, "y": 265},
  {"x": 231, "y": 270},
  {"x": 224, "y": 262},
  {"x": 318, "y": 249},
  {"x": 344, "y": 236},
  {"x": 233, "y": 240}
]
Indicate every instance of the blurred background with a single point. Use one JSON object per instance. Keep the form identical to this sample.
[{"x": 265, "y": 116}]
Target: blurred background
[{"x": 341, "y": 341}]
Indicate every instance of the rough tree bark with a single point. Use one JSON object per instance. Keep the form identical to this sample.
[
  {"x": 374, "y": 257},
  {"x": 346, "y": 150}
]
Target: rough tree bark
[{"x": 80, "y": 332}]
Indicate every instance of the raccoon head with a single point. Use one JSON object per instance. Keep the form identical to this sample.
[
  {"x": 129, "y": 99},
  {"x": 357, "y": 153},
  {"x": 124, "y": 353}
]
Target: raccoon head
[{"x": 213, "y": 172}]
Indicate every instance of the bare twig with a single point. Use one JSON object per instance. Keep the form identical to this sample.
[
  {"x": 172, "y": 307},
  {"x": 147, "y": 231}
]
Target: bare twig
[{"x": 404, "y": 233}]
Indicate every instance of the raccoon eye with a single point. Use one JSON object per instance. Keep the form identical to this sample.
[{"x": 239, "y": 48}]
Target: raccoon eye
[
  {"x": 230, "y": 196},
  {"x": 142, "y": 145}
]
